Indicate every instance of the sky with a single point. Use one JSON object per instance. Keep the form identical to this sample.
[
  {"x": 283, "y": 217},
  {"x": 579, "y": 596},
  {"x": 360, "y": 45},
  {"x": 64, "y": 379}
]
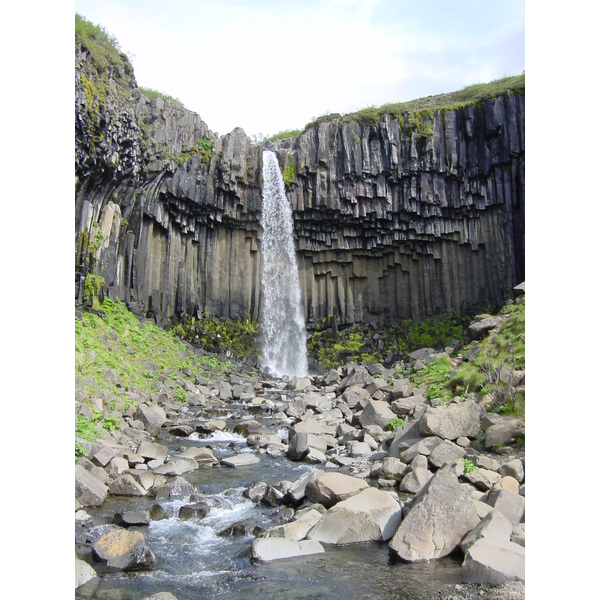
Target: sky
[{"x": 270, "y": 66}]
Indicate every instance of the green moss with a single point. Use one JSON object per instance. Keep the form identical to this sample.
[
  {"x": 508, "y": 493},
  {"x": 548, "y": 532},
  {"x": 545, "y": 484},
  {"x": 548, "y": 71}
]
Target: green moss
[
  {"x": 289, "y": 174},
  {"x": 151, "y": 94}
]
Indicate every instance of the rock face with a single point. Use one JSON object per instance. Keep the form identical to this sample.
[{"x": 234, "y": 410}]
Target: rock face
[{"x": 390, "y": 222}]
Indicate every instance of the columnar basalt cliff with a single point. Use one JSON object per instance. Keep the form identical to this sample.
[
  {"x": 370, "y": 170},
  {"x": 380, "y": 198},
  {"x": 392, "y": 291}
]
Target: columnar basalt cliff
[{"x": 391, "y": 219}]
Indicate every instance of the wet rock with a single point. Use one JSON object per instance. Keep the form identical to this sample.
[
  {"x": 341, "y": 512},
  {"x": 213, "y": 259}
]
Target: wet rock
[
  {"x": 132, "y": 517},
  {"x": 241, "y": 460},
  {"x": 296, "y": 529},
  {"x": 208, "y": 427},
  {"x": 123, "y": 550},
  {"x": 441, "y": 515},
  {"x": 370, "y": 515},
  {"x": 161, "y": 596},
  {"x": 202, "y": 456},
  {"x": 495, "y": 561},
  {"x": 197, "y": 510},
  {"x": 158, "y": 513},
  {"x": 270, "y": 549},
  {"x": 83, "y": 572}
]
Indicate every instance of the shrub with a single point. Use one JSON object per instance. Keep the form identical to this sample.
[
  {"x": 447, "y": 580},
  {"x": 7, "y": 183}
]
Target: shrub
[{"x": 395, "y": 423}]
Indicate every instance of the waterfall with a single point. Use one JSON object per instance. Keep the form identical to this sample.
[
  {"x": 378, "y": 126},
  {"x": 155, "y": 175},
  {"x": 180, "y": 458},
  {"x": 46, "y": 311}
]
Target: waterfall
[{"x": 282, "y": 316}]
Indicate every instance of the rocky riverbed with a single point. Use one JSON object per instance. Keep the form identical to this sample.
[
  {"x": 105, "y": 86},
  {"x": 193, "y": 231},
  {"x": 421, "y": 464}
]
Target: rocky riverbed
[{"x": 349, "y": 483}]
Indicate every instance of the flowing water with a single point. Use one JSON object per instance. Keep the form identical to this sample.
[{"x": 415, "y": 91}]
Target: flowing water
[
  {"x": 194, "y": 562},
  {"x": 282, "y": 316}
]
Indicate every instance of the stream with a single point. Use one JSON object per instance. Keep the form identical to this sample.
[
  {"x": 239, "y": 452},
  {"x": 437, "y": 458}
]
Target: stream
[{"x": 193, "y": 561}]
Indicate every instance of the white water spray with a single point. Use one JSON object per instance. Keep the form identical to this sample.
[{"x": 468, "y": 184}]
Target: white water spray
[{"x": 282, "y": 317}]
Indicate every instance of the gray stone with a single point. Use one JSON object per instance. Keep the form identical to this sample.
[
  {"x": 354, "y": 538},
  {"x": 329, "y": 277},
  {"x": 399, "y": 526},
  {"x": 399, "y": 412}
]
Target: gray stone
[
  {"x": 482, "y": 478},
  {"x": 275, "y": 548},
  {"x": 202, "y": 456},
  {"x": 393, "y": 468},
  {"x": 132, "y": 517},
  {"x": 511, "y": 505},
  {"x": 424, "y": 446},
  {"x": 152, "y": 416},
  {"x": 330, "y": 488},
  {"x": 414, "y": 481},
  {"x": 370, "y": 515},
  {"x": 152, "y": 451},
  {"x": 479, "y": 329},
  {"x": 494, "y": 561},
  {"x": 126, "y": 485},
  {"x": 452, "y": 420},
  {"x": 513, "y": 468},
  {"x": 89, "y": 491},
  {"x": 83, "y": 572},
  {"x": 377, "y": 413},
  {"x": 504, "y": 432},
  {"x": 493, "y": 525},
  {"x": 298, "y": 528},
  {"x": 445, "y": 452},
  {"x": 442, "y": 513},
  {"x": 241, "y": 460}
]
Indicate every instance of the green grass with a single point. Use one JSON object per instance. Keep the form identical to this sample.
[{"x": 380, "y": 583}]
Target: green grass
[
  {"x": 507, "y": 347},
  {"x": 102, "y": 46},
  {"x": 152, "y": 94},
  {"x": 283, "y": 135}
]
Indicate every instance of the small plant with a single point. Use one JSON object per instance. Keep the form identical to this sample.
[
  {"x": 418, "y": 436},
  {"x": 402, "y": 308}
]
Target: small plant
[
  {"x": 180, "y": 394},
  {"x": 289, "y": 174},
  {"x": 111, "y": 423},
  {"x": 496, "y": 447},
  {"x": 79, "y": 450},
  {"x": 469, "y": 466},
  {"x": 395, "y": 423}
]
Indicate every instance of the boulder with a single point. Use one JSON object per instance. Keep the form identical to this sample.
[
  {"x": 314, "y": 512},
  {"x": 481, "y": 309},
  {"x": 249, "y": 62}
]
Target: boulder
[
  {"x": 152, "y": 451},
  {"x": 414, "y": 481},
  {"x": 356, "y": 396},
  {"x": 241, "y": 460},
  {"x": 393, "y": 468},
  {"x": 123, "y": 550},
  {"x": 513, "y": 468},
  {"x": 444, "y": 453},
  {"x": 83, "y": 572},
  {"x": 330, "y": 488},
  {"x": 208, "y": 427},
  {"x": 424, "y": 446},
  {"x": 479, "y": 329},
  {"x": 152, "y": 416},
  {"x": 298, "y": 528},
  {"x": 197, "y": 510},
  {"x": 511, "y": 505},
  {"x": 298, "y": 383},
  {"x": 126, "y": 485},
  {"x": 274, "y": 548},
  {"x": 504, "y": 432},
  {"x": 89, "y": 491},
  {"x": 441, "y": 515},
  {"x": 377, "y": 412},
  {"x": 493, "y": 525},
  {"x": 132, "y": 517},
  {"x": 483, "y": 479},
  {"x": 370, "y": 515},
  {"x": 357, "y": 376},
  {"x": 494, "y": 561},
  {"x": 161, "y": 596},
  {"x": 297, "y": 490},
  {"x": 202, "y": 456},
  {"x": 301, "y": 443},
  {"x": 452, "y": 420}
]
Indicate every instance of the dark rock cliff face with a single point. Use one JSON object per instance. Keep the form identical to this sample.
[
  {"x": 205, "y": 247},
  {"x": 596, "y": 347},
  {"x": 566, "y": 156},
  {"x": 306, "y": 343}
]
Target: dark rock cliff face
[{"x": 389, "y": 222}]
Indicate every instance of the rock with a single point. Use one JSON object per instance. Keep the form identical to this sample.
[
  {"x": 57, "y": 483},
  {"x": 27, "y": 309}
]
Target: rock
[
  {"x": 152, "y": 451},
  {"x": 153, "y": 417},
  {"x": 482, "y": 478},
  {"x": 241, "y": 460},
  {"x": 357, "y": 449},
  {"x": 329, "y": 488},
  {"x": 511, "y": 505},
  {"x": 393, "y": 468},
  {"x": 161, "y": 596},
  {"x": 424, "y": 446},
  {"x": 505, "y": 431},
  {"x": 298, "y": 528},
  {"x": 507, "y": 483},
  {"x": 452, "y": 420},
  {"x": 356, "y": 396},
  {"x": 298, "y": 383},
  {"x": 126, "y": 485},
  {"x": 257, "y": 491},
  {"x": 297, "y": 490},
  {"x": 202, "y": 456},
  {"x": 357, "y": 376},
  {"x": 445, "y": 452},
  {"x": 197, "y": 510},
  {"x": 492, "y": 525},
  {"x": 132, "y": 517},
  {"x": 441, "y": 515},
  {"x": 89, "y": 491},
  {"x": 301, "y": 443},
  {"x": 377, "y": 413},
  {"x": 208, "y": 427},
  {"x": 270, "y": 549},
  {"x": 123, "y": 550},
  {"x": 493, "y": 561},
  {"x": 370, "y": 515},
  {"x": 83, "y": 572},
  {"x": 513, "y": 468},
  {"x": 157, "y": 512},
  {"x": 485, "y": 462},
  {"x": 414, "y": 481},
  {"x": 479, "y": 329}
]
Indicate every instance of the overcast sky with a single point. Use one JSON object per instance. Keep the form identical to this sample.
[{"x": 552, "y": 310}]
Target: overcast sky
[{"x": 272, "y": 65}]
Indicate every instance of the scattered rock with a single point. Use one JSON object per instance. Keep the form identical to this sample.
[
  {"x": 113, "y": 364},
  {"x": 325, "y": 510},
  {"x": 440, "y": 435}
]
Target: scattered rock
[
  {"x": 123, "y": 550},
  {"x": 270, "y": 549}
]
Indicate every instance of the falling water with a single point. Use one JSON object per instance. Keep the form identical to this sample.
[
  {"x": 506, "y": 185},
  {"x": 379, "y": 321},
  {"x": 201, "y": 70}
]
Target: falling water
[{"x": 282, "y": 323}]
